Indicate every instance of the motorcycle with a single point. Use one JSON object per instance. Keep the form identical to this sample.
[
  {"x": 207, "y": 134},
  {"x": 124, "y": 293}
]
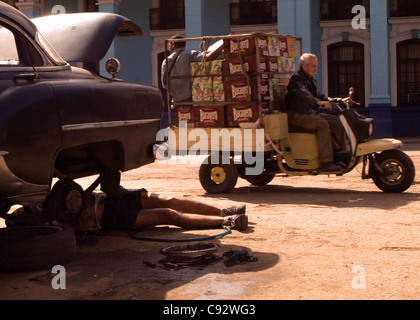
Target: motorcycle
[{"x": 295, "y": 153}]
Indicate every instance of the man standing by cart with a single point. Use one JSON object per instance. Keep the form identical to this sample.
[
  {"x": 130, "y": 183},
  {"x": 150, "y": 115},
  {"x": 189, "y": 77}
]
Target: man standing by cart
[
  {"x": 178, "y": 68},
  {"x": 302, "y": 101}
]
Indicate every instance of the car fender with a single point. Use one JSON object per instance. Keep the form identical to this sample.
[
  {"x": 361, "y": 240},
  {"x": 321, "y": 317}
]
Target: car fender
[
  {"x": 100, "y": 110},
  {"x": 29, "y": 138}
]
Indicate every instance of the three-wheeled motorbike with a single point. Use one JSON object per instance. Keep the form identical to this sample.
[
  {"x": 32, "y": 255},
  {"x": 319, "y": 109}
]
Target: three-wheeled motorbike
[{"x": 294, "y": 153}]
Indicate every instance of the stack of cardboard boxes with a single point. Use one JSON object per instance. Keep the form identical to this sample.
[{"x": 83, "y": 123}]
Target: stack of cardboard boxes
[{"x": 240, "y": 87}]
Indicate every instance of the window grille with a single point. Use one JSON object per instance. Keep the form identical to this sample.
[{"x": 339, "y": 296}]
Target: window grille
[
  {"x": 408, "y": 72},
  {"x": 404, "y": 8},
  {"x": 346, "y": 69},
  {"x": 341, "y": 10}
]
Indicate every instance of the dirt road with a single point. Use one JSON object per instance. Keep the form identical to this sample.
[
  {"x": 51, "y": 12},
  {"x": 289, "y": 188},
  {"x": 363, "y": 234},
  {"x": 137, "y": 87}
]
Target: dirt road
[{"x": 313, "y": 238}]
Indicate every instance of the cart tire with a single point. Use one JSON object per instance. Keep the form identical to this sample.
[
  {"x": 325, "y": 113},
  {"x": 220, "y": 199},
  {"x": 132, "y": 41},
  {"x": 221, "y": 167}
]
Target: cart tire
[
  {"x": 398, "y": 171},
  {"x": 260, "y": 180},
  {"x": 33, "y": 248},
  {"x": 218, "y": 178}
]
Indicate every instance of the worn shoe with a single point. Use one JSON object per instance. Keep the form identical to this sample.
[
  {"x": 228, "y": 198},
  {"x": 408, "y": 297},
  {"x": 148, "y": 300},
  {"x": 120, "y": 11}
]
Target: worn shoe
[
  {"x": 230, "y": 211},
  {"x": 330, "y": 167},
  {"x": 237, "y": 222}
]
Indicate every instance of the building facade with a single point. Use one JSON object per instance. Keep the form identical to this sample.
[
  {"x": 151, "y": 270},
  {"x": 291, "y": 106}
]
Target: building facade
[{"x": 370, "y": 45}]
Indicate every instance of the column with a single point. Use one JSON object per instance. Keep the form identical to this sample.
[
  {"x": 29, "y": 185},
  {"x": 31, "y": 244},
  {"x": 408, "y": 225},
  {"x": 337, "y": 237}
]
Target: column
[
  {"x": 286, "y": 17},
  {"x": 111, "y": 6},
  {"x": 380, "y": 98},
  {"x": 31, "y": 8},
  {"x": 194, "y": 20}
]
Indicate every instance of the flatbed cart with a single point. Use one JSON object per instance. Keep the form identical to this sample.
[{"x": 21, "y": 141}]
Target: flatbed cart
[
  {"x": 238, "y": 120},
  {"x": 236, "y": 146}
]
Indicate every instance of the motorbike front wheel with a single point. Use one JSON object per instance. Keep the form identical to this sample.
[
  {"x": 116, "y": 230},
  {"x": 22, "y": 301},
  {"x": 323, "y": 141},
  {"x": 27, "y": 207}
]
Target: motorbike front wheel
[{"x": 397, "y": 171}]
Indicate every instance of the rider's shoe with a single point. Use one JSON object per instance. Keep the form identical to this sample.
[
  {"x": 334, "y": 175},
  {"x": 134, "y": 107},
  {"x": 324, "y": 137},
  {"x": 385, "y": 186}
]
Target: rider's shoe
[{"x": 330, "y": 167}]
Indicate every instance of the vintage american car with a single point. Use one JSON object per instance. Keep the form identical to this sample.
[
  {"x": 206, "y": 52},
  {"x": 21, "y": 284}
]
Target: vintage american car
[{"x": 62, "y": 122}]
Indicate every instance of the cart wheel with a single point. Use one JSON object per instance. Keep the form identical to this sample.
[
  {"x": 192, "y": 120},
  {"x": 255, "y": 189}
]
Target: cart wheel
[
  {"x": 260, "y": 180},
  {"x": 218, "y": 177}
]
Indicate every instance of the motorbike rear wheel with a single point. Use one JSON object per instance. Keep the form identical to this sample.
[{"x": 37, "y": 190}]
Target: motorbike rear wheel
[{"x": 397, "y": 174}]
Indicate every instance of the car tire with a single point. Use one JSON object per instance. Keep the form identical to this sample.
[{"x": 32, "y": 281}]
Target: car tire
[
  {"x": 65, "y": 201},
  {"x": 33, "y": 248}
]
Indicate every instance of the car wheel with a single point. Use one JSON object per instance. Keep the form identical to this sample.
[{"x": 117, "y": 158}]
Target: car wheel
[
  {"x": 33, "y": 248},
  {"x": 65, "y": 201}
]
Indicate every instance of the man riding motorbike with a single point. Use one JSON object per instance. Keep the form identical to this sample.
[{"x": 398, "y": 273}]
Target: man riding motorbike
[{"x": 302, "y": 101}]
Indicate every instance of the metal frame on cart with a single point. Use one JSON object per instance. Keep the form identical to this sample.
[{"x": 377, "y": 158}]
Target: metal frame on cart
[{"x": 205, "y": 43}]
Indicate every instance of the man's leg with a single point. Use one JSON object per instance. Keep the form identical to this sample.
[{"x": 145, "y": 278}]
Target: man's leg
[
  {"x": 337, "y": 131},
  {"x": 153, "y": 200},
  {"x": 167, "y": 216}
]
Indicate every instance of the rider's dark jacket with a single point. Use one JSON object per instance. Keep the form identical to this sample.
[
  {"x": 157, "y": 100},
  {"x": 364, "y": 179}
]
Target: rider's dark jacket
[{"x": 303, "y": 94}]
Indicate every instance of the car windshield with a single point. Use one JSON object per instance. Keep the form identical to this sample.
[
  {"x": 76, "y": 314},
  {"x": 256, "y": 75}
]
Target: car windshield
[{"x": 50, "y": 50}]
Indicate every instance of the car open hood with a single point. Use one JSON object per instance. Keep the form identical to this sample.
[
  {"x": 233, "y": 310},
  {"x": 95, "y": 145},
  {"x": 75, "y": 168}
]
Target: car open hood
[{"x": 85, "y": 37}]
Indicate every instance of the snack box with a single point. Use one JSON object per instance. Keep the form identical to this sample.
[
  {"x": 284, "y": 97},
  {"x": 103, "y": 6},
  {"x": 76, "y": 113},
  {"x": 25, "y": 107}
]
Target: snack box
[
  {"x": 187, "y": 114},
  {"x": 239, "y": 65},
  {"x": 202, "y": 89},
  {"x": 241, "y": 112},
  {"x": 211, "y": 116},
  {"x": 240, "y": 45},
  {"x": 241, "y": 87}
]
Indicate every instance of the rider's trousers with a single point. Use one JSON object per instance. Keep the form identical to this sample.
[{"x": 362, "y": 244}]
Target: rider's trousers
[{"x": 317, "y": 123}]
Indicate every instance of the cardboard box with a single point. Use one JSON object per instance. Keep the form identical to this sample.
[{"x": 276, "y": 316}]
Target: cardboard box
[
  {"x": 240, "y": 45},
  {"x": 202, "y": 89},
  {"x": 216, "y": 67},
  {"x": 272, "y": 64},
  {"x": 262, "y": 44},
  {"x": 241, "y": 87},
  {"x": 211, "y": 116},
  {"x": 201, "y": 68},
  {"x": 187, "y": 114},
  {"x": 208, "y": 89},
  {"x": 206, "y": 68},
  {"x": 239, "y": 65},
  {"x": 218, "y": 89},
  {"x": 242, "y": 112},
  {"x": 286, "y": 64}
]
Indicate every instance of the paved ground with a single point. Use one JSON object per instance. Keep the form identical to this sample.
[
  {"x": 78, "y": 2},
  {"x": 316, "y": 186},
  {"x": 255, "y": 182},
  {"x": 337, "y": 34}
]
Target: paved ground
[{"x": 313, "y": 238}]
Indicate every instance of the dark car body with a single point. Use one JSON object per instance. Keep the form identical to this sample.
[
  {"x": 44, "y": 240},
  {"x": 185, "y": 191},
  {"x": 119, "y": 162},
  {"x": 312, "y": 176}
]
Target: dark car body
[{"x": 62, "y": 121}]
